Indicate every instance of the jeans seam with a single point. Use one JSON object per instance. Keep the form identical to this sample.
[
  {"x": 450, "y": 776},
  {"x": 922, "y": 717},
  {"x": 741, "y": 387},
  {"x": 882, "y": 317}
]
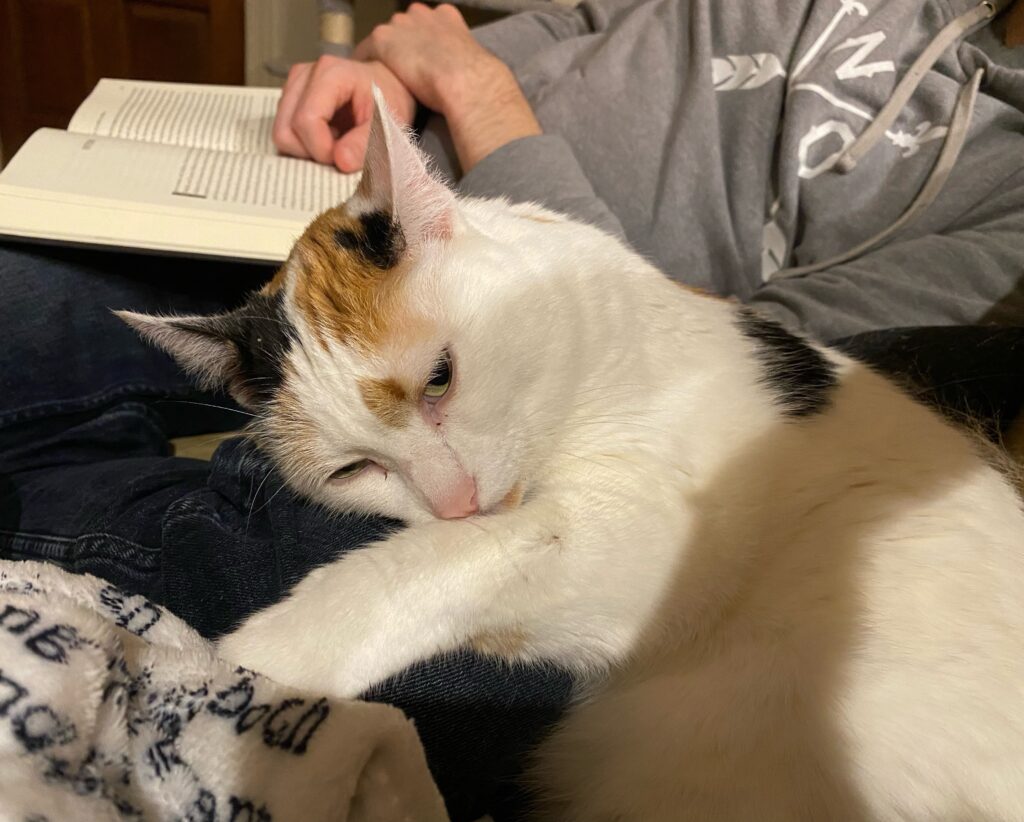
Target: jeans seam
[
  {"x": 52, "y": 539},
  {"x": 31, "y": 552},
  {"x": 71, "y": 405}
]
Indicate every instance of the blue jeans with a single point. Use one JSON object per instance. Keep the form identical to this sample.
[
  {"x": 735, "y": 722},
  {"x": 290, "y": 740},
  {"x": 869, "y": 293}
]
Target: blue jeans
[{"x": 87, "y": 481}]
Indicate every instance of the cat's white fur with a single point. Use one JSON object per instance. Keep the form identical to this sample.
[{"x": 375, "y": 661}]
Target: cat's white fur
[{"x": 782, "y": 618}]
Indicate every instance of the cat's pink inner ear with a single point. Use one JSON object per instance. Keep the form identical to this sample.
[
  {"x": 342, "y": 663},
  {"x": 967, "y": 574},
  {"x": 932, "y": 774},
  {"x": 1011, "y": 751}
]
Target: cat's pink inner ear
[
  {"x": 396, "y": 180},
  {"x": 376, "y": 187}
]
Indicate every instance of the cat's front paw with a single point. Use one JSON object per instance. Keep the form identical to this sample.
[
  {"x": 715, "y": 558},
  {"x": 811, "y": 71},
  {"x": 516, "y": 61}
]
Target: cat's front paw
[{"x": 272, "y": 644}]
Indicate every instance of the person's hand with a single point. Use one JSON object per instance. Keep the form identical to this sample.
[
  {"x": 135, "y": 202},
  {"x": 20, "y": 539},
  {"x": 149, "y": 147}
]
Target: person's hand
[
  {"x": 326, "y": 108},
  {"x": 433, "y": 53},
  {"x": 434, "y": 56}
]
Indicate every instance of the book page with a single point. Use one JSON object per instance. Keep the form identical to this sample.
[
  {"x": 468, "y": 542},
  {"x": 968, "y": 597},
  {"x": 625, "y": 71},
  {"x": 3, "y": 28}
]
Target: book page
[
  {"x": 280, "y": 187},
  {"x": 226, "y": 118},
  {"x": 149, "y": 183},
  {"x": 282, "y": 183}
]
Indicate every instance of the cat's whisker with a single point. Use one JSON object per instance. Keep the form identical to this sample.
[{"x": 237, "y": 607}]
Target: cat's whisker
[
  {"x": 265, "y": 505},
  {"x": 255, "y": 495},
  {"x": 212, "y": 405}
]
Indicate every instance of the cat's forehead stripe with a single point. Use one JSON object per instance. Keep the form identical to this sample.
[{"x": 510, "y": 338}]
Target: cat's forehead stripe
[
  {"x": 387, "y": 400},
  {"x": 347, "y": 277}
]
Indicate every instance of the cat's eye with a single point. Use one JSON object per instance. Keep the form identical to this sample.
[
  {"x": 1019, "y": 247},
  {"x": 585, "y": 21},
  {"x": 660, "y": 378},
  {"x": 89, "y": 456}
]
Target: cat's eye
[
  {"x": 440, "y": 379},
  {"x": 350, "y": 470}
]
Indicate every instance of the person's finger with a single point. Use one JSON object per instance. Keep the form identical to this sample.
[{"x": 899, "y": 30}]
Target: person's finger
[
  {"x": 450, "y": 14},
  {"x": 329, "y": 88},
  {"x": 350, "y": 150},
  {"x": 370, "y": 46},
  {"x": 285, "y": 138}
]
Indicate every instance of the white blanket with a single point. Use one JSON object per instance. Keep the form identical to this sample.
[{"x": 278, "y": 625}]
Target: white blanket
[{"x": 113, "y": 709}]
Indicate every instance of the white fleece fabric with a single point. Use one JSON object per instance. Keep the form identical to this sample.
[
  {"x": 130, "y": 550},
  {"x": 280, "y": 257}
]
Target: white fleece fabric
[{"x": 111, "y": 708}]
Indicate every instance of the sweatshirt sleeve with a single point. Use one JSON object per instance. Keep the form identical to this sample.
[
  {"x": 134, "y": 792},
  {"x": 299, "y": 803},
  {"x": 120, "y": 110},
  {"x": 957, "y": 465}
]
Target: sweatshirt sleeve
[
  {"x": 540, "y": 170},
  {"x": 516, "y": 38},
  {"x": 972, "y": 273}
]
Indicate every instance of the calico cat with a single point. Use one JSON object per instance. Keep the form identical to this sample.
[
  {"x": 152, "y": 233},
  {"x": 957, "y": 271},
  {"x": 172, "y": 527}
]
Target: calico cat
[{"x": 795, "y": 593}]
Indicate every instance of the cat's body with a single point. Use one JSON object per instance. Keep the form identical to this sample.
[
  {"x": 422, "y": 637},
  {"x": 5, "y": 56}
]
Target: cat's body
[{"x": 799, "y": 594}]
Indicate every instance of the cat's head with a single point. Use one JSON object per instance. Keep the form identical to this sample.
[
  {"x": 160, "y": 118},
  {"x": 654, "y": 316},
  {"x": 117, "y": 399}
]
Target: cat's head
[{"x": 407, "y": 359}]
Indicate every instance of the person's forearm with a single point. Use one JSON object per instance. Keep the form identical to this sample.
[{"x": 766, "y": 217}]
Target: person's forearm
[{"x": 482, "y": 117}]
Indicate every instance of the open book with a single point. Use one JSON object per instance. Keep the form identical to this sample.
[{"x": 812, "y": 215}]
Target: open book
[{"x": 167, "y": 167}]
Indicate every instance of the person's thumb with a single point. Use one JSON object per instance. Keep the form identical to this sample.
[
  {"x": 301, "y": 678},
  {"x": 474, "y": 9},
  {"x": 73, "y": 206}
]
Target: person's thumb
[{"x": 350, "y": 149}]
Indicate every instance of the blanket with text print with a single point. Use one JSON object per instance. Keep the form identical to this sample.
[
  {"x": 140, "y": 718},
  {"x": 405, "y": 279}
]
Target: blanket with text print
[{"x": 111, "y": 708}]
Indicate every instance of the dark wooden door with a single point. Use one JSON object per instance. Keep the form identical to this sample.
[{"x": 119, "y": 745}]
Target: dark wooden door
[{"x": 52, "y": 52}]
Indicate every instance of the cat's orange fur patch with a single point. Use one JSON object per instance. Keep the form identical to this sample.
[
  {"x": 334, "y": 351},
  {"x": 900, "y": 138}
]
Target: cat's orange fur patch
[
  {"x": 700, "y": 292},
  {"x": 276, "y": 283},
  {"x": 529, "y": 212},
  {"x": 508, "y": 643},
  {"x": 341, "y": 294},
  {"x": 290, "y": 436},
  {"x": 387, "y": 400},
  {"x": 514, "y": 497}
]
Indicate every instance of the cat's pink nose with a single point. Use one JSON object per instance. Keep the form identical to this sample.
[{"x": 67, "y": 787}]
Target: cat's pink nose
[{"x": 460, "y": 501}]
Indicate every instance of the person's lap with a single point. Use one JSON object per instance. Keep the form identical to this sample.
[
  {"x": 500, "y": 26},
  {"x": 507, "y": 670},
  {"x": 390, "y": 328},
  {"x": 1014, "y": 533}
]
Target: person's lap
[{"x": 87, "y": 481}]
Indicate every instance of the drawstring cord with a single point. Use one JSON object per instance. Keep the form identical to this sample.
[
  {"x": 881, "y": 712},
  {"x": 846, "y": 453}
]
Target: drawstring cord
[
  {"x": 956, "y": 134},
  {"x": 906, "y": 87},
  {"x": 951, "y": 147}
]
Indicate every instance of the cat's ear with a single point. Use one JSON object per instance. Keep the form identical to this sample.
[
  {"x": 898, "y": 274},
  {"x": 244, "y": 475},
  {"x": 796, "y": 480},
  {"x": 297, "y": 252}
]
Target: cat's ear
[
  {"x": 201, "y": 345},
  {"x": 396, "y": 181},
  {"x": 234, "y": 351}
]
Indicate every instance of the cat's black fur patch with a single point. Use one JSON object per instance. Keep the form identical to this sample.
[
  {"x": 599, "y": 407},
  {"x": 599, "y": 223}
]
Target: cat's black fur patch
[
  {"x": 264, "y": 337},
  {"x": 381, "y": 242},
  {"x": 801, "y": 378},
  {"x": 261, "y": 335}
]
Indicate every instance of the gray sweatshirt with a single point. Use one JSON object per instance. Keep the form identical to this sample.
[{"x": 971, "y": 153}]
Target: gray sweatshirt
[{"x": 845, "y": 165}]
